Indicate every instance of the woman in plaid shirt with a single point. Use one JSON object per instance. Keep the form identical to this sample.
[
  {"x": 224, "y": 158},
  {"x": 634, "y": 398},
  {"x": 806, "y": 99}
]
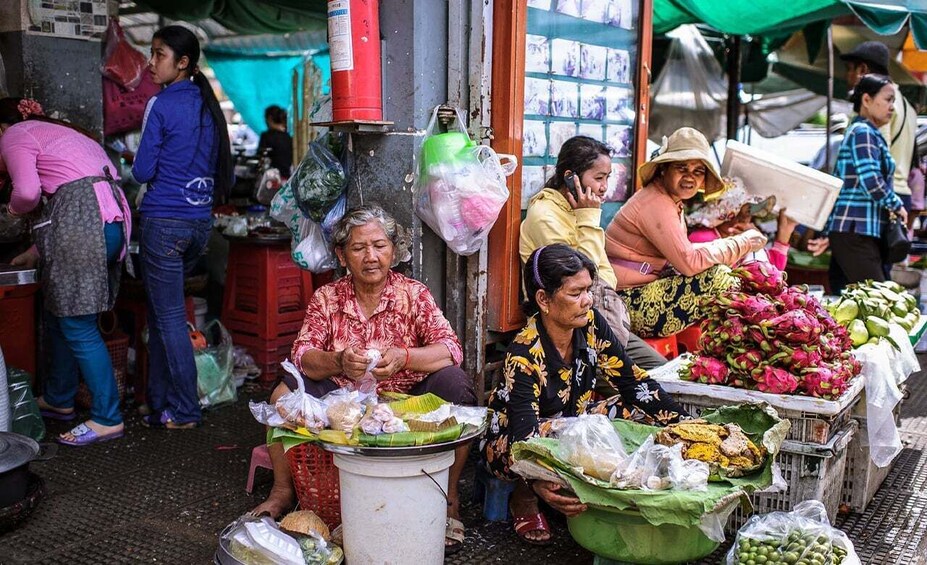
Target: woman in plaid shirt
[{"x": 861, "y": 213}]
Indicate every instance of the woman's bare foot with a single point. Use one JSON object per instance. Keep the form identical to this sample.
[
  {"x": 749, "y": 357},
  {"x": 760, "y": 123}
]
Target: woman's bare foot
[
  {"x": 46, "y": 406},
  {"x": 279, "y": 501},
  {"x": 100, "y": 430}
]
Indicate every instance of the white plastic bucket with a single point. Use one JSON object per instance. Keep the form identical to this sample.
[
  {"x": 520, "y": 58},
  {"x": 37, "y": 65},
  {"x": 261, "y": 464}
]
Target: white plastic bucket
[
  {"x": 199, "y": 312},
  {"x": 392, "y": 513}
]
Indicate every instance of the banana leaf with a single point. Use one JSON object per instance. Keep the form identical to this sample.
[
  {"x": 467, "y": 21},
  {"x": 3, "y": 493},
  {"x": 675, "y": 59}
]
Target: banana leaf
[
  {"x": 416, "y": 405},
  {"x": 406, "y": 439},
  {"x": 683, "y": 508}
]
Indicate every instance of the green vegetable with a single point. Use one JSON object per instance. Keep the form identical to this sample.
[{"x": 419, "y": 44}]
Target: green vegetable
[
  {"x": 858, "y": 333},
  {"x": 877, "y": 326}
]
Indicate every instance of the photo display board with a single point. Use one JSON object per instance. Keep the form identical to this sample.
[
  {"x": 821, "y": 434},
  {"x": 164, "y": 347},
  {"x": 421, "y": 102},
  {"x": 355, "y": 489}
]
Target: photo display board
[{"x": 580, "y": 79}]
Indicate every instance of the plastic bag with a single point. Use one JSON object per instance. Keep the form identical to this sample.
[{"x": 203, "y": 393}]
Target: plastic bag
[
  {"x": 344, "y": 409},
  {"x": 460, "y": 187},
  {"x": 268, "y": 185},
  {"x": 298, "y": 409},
  {"x": 335, "y": 214},
  {"x": 122, "y": 63},
  {"x": 592, "y": 444},
  {"x": 26, "y": 418},
  {"x": 322, "y": 175},
  {"x": 312, "y": 252},
  {"x": 802, "y": 535},
  {"x": 214, "y": 366},
  {"x": 259, "y": 541},
  {"x": 124, "y": 108}
]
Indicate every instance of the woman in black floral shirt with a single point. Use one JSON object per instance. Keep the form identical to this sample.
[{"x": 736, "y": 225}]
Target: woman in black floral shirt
[{"x": 550, "y": 371}]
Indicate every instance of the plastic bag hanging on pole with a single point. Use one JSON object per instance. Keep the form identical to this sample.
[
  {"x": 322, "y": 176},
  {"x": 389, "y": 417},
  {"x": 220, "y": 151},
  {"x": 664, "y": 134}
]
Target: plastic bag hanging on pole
[
  {"x": 323, "y": 174},
  {"x": 122, "y": 63},
  {"x": 459, "y": 186}
]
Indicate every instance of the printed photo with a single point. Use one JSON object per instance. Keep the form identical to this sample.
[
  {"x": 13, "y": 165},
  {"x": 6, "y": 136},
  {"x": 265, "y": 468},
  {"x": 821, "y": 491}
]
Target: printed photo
[
  {"x": 537, "y": 96},
  {"x": 620, "y": 14},
  {"x": 618, "y": 183},
  {"x": 539, "y": 4},
  {"x": 559, "y": 133},
  {"x": 534, "y": 139},
  {"x": 619, "y": 66},
  {"x": 619, "y": 104},
  {"x": 532, "y": 181},
  {"x": 595, "y": 10},
  {"x": 563, "y": 99},
  {"x": 537, "y": 54},
  {"x": 619, "y": 137},
  {"x": 592, "y": 102},
  {"x": 570, "y": 7},
  {"x": 590, "y": 130},
  {"x": 564, "y": 57},
  {"x": 592, "y": 59}
]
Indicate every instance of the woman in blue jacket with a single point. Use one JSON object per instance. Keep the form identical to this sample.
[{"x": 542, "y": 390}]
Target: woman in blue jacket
[{"x": 185, "y": 159}]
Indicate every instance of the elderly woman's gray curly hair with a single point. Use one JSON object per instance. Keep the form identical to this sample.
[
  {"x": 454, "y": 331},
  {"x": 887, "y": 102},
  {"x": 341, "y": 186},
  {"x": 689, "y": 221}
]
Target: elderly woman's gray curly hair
[{"x": 361, "y": 215}]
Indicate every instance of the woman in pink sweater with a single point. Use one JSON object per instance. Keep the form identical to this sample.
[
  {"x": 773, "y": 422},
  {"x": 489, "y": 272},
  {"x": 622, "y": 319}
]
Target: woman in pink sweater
[
  {"x": 661, "y": 274},
  {"x": 80, "y": 244}
]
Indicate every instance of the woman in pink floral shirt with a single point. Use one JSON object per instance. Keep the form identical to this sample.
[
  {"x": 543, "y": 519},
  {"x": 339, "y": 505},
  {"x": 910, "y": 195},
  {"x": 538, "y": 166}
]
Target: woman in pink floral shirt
[{"x": 374, "y": 307}]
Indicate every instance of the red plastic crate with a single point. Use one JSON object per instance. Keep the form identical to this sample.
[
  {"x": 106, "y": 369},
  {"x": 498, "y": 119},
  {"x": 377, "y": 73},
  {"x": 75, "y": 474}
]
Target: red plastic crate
[{"x": 17, "y": 326}]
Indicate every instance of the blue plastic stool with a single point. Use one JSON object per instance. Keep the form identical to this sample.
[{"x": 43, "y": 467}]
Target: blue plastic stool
[{"x": 495, "y": 493}]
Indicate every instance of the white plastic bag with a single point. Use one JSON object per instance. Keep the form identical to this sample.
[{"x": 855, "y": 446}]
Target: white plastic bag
[
  {"x": 312, "y": 252},
  {"x": 460, "y": 189},
  {"x": 802, "y": 535},
  {"x": 298, "y": 409},
  {"x": 591, "y": 443}
]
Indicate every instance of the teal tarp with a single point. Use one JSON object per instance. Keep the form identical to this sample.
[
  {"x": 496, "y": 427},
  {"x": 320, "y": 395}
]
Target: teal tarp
[{"x": 254, "y": 82}]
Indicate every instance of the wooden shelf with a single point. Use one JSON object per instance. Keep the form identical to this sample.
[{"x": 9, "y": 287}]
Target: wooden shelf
[{"x": 357, "y": 126}]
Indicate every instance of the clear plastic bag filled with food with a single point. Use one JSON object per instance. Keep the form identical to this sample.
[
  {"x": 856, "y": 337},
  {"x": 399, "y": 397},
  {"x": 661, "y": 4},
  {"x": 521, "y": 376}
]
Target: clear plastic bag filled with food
[{"x": 591, "y": 443}]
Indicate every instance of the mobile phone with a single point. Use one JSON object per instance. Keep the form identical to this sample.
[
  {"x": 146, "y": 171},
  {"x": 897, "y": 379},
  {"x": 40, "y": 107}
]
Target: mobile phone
[{"x": 570, "y": 180}]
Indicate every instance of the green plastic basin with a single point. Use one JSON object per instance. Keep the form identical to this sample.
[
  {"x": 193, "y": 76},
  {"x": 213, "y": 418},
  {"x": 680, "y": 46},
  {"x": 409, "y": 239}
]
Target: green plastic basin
[
  {"x": 445, "y": 149},
  {"x": 627, "y": 536}
]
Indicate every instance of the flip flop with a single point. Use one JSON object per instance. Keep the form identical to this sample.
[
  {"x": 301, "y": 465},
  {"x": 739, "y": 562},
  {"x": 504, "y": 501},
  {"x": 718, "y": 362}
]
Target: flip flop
[
  {"x": 84, "y": 435},
  {"x": 164, "y": 421},
  {"x": 453, "y": 532},
  {"x": 532, "y": 523},
  {"x": 56, "y": 415}
]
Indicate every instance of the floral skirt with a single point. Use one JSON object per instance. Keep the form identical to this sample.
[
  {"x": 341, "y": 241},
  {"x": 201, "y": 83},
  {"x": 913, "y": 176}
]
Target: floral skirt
[
  {"x": 669, "y": 305},
  {"x": 494, "y": 447}
]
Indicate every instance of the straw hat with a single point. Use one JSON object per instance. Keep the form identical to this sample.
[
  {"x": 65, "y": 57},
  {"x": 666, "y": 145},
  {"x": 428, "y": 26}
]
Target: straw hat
[{"x": 685, "y": 144}]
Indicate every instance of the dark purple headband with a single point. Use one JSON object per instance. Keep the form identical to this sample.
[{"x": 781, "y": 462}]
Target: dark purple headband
[{"x": 537, "y": 258}]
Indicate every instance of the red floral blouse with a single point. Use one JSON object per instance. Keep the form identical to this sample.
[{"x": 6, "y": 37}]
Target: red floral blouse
[{"x": 407, "y": 316}]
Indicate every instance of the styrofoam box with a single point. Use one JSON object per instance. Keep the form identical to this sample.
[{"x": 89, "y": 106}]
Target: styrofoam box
[{"x": 808, "y": 194}]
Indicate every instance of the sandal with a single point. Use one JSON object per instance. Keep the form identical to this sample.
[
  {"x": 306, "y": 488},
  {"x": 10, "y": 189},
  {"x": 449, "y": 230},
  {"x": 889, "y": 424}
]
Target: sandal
[
  {"x": 84, "y": 435},
  {"x": 165, "y": 421},
  {"x": 52, "y": 413},
  {"x": 455, "y": 534},
  {"x": 536, "y": 522}
]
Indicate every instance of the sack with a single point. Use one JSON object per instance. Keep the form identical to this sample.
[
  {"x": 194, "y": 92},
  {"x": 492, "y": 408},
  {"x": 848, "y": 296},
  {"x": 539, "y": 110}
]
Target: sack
[
  {"x": 122, "y": 63},
  {"x": 124, "y": 109},
  {"x": 895, "y": 240},
  {"x": 460, "y": 187},
  {"x": 322, "y": 175}
]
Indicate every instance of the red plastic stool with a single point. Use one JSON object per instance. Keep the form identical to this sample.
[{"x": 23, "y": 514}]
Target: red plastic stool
[
  {"x": 665, "y": 346},
  {"x": 265, "y": 301},
  {"x": 687, "y": 339},
  {"x": 260, "y": 457}
]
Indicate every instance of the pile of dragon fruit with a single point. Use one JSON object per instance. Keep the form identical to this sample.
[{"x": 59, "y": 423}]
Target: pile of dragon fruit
[{"x": 773, "y": 338}]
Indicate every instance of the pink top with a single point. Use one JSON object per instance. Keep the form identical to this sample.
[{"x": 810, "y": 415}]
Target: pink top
[
  {"x": 41, "y": 156},
  {"x": 778, "y": 254}
]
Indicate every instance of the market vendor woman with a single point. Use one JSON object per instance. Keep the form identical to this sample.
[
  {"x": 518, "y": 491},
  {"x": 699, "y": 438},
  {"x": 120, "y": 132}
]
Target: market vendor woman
[
  {"x": 550, "y": 371},
  {"x": 374, "y": 307},
  {"x": 661, "y": 274}
]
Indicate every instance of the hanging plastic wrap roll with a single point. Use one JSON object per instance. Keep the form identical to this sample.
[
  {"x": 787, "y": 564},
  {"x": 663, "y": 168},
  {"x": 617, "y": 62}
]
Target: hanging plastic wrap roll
[{"x": 5, "y": 419}]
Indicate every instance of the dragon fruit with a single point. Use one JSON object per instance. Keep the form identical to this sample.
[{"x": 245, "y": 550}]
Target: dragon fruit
[
  {"x": 746, "y": 360},
  {"x": 707, "y": 370},
  {"x": 760, "y": 277},
  {"x": 774, "y": 380},
  {"x": 733, "y": 330},
  {"x": 799, "y": 358},
  {"x": 817, "y": 382},
  {"x": 797, "y": 327},
  {"x": 751, "y": 307}
]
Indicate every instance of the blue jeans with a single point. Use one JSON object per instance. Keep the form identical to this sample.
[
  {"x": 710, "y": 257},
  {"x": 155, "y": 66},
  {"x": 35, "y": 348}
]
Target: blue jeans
[
  {"x": 76, "y": 347},
  {"x": 169, "y": 249}
]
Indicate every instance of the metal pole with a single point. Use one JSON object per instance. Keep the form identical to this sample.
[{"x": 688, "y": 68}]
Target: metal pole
[
  {"x": 733, "y": 86},
  {"x": 828, "y": 158}
]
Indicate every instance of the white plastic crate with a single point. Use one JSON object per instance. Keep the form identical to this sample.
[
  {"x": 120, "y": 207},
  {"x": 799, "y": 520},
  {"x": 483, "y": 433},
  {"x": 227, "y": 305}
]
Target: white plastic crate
[
  {"x": 863, "y": 479},
  {"x": 811, "y": 471}
]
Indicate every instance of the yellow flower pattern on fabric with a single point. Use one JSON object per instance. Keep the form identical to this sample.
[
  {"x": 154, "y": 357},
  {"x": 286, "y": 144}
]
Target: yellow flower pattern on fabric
[{"x": 611, "y": 365}]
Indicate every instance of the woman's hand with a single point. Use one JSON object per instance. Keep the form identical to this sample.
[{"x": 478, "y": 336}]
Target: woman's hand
[
  {"x": 785, "y": 228},
  {"x": 818, "y": 245},
  {"x": 755, "y": 239},
  {"x": 587, "y": 197},
  {"x": 903, "y": 214},
  {"x": 28, "y": 260},
  {"x": 392, "y": 361},
  {"x": 353, "y": 364},
  {"x": 568, "y": 505}
]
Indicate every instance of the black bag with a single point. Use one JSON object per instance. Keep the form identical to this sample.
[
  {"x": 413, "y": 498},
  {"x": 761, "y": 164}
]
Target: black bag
[{"x": 895, "y": 240}]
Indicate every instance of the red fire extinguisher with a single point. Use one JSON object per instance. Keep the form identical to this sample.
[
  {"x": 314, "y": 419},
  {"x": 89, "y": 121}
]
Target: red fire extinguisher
[{"x": 354, "y": 45}]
